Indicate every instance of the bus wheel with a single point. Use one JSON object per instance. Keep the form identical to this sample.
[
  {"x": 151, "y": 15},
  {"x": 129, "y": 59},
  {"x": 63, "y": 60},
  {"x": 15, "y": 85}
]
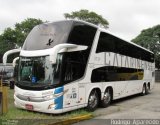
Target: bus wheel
[
  {"x": 93, "y": 101},
  {"x": 106, "y": 98},
  {"x": 144, "y": 90}
]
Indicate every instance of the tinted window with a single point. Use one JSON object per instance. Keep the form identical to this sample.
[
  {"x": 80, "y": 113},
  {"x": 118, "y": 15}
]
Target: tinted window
[
  {"x": 106, "y": 43},
  {"x": 73, "y": 65},
  {"x": 110, "y": 43},
  {"x": 47, "y": 35},
  {"x": 111, "y": 73},
  {"x": 82, "y": 34}
]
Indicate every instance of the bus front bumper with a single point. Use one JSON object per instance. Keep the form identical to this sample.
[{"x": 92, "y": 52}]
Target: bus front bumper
[{"x": 46, "y": 106}]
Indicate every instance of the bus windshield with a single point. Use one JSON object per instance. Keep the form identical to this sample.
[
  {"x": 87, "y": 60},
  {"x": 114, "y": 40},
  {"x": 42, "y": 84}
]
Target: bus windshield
[{"x": 37, "y": 72}]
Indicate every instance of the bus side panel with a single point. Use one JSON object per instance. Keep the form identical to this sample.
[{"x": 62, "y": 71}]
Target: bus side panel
[
  {"x": 81, "y": 94},
  {"x": 120, "y": 89},
  {"x": 70, "y": 98}
]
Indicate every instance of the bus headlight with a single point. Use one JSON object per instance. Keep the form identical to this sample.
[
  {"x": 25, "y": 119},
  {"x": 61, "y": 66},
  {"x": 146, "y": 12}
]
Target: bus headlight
[
  {"x": 52, "y": 96},
  {"x": 48, "y": 97}
]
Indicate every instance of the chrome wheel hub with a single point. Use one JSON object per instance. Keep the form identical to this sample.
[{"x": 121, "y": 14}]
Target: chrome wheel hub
[
  {"x": 93, "y": 101},
  {"x": 107, "y": 97}
]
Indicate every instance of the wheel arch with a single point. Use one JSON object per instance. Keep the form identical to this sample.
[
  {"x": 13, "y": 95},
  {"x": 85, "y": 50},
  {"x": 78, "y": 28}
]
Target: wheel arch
[{"x": 98, "y": 90}]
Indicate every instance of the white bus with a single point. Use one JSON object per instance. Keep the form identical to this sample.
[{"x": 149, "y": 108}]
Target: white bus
[{"x": 66, "y": 65}]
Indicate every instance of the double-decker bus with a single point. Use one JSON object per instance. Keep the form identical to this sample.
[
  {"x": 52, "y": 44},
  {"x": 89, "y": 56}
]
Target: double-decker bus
[{"x": 66, "y": 65}]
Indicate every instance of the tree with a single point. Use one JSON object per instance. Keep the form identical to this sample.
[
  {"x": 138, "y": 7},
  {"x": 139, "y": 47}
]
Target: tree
[
  {"x": 150, "y": 39},
  {"x": 14, "y": 37},
  {"x": 87, "y": 16},
  {"x": 7, "y": 40},
  {"x": 22, "y": 29},
  {"x": 17, "y": 35}
]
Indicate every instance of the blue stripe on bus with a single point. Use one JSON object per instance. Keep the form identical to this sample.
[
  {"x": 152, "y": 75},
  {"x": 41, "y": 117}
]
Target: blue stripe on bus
[{"x": 59, "y": 100}]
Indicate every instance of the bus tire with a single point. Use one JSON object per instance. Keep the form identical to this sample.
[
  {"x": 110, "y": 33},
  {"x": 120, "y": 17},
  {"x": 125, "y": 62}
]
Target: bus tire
[
  {"x": 144, "y": 89},
  {"x": 93, "y": 101},
  {"x": 106, "y": 98}
]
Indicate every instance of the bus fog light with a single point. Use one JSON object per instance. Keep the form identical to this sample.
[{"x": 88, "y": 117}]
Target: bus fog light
[{"x": 51, "y": 106}]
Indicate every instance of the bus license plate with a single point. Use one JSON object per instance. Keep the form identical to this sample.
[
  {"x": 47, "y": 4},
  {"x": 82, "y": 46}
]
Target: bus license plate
[{"x": 29, "y": 107}]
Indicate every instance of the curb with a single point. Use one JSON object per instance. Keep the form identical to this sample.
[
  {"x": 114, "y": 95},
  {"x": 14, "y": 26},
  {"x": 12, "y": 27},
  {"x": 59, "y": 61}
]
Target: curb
[{"x": 73, "y": 120}]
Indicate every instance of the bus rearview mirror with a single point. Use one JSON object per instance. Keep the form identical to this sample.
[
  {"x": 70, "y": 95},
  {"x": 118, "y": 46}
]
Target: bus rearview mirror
[{"x": 64, "y": 48}]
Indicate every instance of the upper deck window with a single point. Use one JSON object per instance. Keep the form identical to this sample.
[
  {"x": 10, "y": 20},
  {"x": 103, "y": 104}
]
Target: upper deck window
[
  {"x": 45, "y": 36},
  {"x": 110, "y": 43},
  {"x": 82, "y": 34}
]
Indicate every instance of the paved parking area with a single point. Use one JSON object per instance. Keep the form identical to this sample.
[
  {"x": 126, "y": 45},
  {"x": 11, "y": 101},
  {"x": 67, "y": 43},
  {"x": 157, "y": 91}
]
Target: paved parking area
[
  {"x": 138, "y": 107},
  {"x": 134, "y": 107}
]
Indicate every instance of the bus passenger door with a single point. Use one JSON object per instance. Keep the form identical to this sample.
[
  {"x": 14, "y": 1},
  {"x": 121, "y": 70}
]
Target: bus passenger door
[{"x": 81, "y": 94}]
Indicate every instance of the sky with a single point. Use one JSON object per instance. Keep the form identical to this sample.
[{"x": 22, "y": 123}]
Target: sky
[{"x": 127, "y": 18}]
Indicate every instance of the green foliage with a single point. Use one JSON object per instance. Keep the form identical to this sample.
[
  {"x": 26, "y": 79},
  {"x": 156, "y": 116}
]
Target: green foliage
[
  {"x": 150, "y": 39},
  {"x": 11, "y": 38},
  {"x": 8, "y": 39},
  {"x": 14, "y": 37},
  {"x": 87, "y": 16},
  {"x": 22, "y": 29}
]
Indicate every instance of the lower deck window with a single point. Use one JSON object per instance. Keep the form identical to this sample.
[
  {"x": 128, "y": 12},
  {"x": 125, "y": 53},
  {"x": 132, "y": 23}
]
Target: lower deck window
[{"x": 112, "y": 73}]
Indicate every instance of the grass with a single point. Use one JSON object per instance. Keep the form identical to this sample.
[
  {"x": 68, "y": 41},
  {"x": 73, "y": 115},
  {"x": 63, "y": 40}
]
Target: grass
[{"x": 36, "y": 118}]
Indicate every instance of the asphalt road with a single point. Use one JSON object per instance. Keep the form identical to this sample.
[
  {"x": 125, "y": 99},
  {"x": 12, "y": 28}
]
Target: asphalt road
[{"x": 134, "y": 107}]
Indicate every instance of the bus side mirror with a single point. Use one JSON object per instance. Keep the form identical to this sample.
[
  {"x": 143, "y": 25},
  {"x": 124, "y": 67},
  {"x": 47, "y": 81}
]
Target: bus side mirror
[
  {"x": 6, "y": 54},
  {"x": 15, "y": 73},
  {"x": 64, "y": 48},
  {"x": 15, "y": 66},
  {"x": 14, "y": 61}
]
